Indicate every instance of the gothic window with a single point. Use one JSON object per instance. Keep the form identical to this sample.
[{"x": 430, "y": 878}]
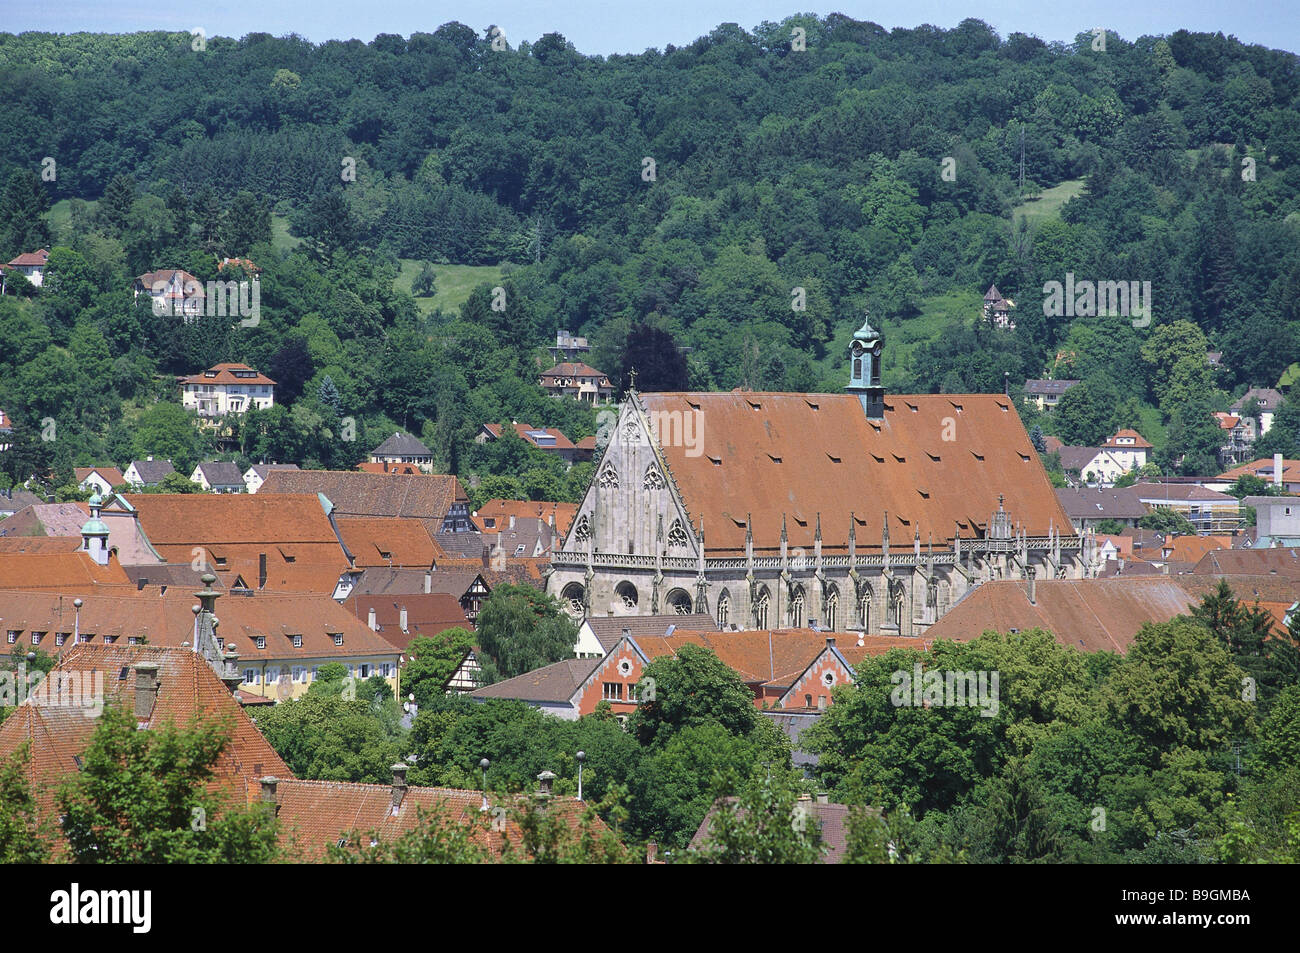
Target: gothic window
[
  {"x": 796, "y": 609},
  {"x": 572, "y": 594},
  {"x": 654, "y": 480},
  {"x": 898, "y": 610},
  {"x": 679, "y": 602},
  {"x": 864, "y": 611},
  {"x": 761, "y": 607},
  {"x": 724, "y": 609},
  {"x": 832, "y": 608},
  {"x": 677, "y": 535},
  {"x": 582, "y": 531},
  {"x": 608, "y": 479},
  {"x": 627, "y": 593}
]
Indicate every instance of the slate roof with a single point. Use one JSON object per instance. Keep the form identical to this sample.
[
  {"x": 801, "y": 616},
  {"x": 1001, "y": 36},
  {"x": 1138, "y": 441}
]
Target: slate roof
[
  {"x": 609, "y": 629},
  {"x": 1075, "y": 459},
  {"x": 372, "y": 494},
  {"x": 402, "y": 445},
  {"x": 221, "y": 473},
  {"x": 1099, "y": 503},
  {"x": 800, "y": 455},
  {"x": 1045, "y": 388},
  {"x": 1268, "y": 399},
  {"x": 1181, "y": 492},
  {"x": 552, "y": 684},
  {"x": 1280, "y": 561},
  {"x": 152, "y": 471}
]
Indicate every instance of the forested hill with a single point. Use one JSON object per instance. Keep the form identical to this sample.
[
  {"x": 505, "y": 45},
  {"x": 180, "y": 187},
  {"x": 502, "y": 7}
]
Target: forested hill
[{"x": 695, "y": 188}]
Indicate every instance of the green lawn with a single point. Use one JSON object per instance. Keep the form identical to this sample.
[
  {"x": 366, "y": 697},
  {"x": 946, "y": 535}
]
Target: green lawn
[
  {"x": 1049, "y": 202},
  {"x": 61, "y": 215},
  {"x": 452, "y": 283},
  {"x": 1289, "y": 377},
  {"x": 281, "y": 240}
]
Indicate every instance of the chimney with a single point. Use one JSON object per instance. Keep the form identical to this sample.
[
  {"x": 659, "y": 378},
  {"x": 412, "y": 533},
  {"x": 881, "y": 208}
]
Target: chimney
[
  {"x": 231, "y": 678},
  {"x": 651, "y": 852},
  {"x": 261, "y": 570},
  {"x": 547, "y": 781},
  {"x": 486, "y": 555},
  {"x": 403, "y": 619},
  {"x": 1030, "y": 573},
  {"x": 428, "y": 581},
  {"x": 512, "y": 520},
  {"x": 830, "y": 641},
  {"x": 1277, "y": 469},
  {"x": 268, "y": 784},
  {"x": 146, "y": 689},
  {"x": 399, "y": 786},
  {"x": 823, "y": 799},
  {"x": 370, "y": 620}
]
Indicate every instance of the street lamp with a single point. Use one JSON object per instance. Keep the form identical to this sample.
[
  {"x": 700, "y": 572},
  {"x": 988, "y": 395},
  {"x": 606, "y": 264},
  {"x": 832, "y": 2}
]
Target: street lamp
[
  {"x": 484, "y": 766},
  {"x": 582, "y": 756}
]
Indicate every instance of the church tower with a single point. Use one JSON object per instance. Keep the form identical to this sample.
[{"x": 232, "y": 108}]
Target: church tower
[{"x": 864, "y": 368}]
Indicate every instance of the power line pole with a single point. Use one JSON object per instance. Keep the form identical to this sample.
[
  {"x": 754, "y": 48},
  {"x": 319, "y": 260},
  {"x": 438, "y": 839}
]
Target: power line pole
[{"x": 1022, "y": 160}]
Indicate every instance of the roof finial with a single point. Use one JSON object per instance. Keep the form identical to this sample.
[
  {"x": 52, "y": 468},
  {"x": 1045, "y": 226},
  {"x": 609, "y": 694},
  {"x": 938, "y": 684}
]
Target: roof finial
[{"x": 631, "y": 376}]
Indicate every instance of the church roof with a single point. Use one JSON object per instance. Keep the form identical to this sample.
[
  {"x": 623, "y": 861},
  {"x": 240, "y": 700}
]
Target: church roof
[{"x": 937, "y": 463}]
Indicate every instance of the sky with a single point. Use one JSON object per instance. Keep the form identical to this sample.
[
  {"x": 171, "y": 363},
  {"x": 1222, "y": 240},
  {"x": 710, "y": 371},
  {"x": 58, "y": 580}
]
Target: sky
[{"x": 632, "y": 26}]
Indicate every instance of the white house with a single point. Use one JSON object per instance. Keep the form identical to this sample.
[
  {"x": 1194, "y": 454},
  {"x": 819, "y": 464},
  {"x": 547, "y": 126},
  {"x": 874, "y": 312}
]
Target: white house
[
  {"x": 100, "y": 479},
  {"x": 218, "y": 476},
  {"x": 148, "y": 472},
  {"x": 255, "y": 475},
  {"x": 1128, "y": 448},
  {"x": 403, "y": 448},
  {"x": 227, "y": 389},
  {"x": 32, "y": 265}
]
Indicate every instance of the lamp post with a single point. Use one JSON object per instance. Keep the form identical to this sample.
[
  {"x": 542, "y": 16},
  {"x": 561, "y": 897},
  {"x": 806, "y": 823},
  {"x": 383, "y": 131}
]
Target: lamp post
[
  {"x": 582, "y": 756},
  {"x": 483, "y": 765}
]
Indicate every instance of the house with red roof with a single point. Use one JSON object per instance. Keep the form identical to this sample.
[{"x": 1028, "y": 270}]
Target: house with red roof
[
  {"x": 547, "y": 439},
  {"x": 31, "y": 265},
  {"x": 227, "y": 389},
  {"x": 578, "y": 380}
]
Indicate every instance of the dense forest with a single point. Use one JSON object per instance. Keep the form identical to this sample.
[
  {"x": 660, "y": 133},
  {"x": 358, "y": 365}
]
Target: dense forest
[{"x": 744, "y": 196}]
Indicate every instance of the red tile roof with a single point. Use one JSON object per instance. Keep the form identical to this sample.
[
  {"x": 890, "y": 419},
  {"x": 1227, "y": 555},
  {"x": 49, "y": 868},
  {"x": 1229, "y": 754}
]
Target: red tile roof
[
  {"x": 426, "y": 614},
  {"x": 29, "y": 259},
  {"x": 526, "y": 433},
  {"x": 225, "y": 375},
  {"x": 501, "y": 510},
  {"x": 573, "y": 369},
  {"x": 112, "y": 474},
  {"x": 1262, "y": 468},
  {"x": 51, "y": 569},
  {"x": 372, "y": 494},
  {"x": 1139, "y": 442},
  {"x": 389, "y": 541},
  {"x": 801, "y": 455}
]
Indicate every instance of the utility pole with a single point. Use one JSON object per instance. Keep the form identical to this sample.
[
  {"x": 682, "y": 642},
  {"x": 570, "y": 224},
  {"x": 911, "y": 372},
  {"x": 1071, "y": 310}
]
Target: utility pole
[{"x": 1022, "y": 160}]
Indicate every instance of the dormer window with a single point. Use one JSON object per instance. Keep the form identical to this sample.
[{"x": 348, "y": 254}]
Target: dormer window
[
  {"x": 259, "y": 641},
  {"x": 338, "y": 638},
  {"x": 297, "y": 641}
]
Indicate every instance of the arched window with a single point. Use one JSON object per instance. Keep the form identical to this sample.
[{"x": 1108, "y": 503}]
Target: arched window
[
  {"x": 761, "y": 607},
  {"x": 864, "y": 611},
  {"x": 898, "y": 610},
  {"x": 796, "y": 609},
  {"x": 572, "y": 594},
  {"x": 679, "y": 602},
  {"x": 857, "y": 368},
  {"x": 832, "y": 608},
  {"x": 627, "y": 593},
  {"x": 724, "y": 609}
]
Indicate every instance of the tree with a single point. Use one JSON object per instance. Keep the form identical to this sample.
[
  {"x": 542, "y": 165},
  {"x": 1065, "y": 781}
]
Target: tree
[
  {"x": 653, "y": 354},
  {"x": 22, "y": 839},
  {"x": 23, "y": 207},
  {"x": 433, "y": 660},
  {"x": 1167, "y": 521},
  {"x": 767, "y": 824},
  {"x": 693, "y": 687},
  {"x": 521, "y": 629},
  {"x": 1272, "y": 663},
  {"x": 330, "y": 737},
  {"x": 1085, "y": 414},
  {"x": 142, "y": 797},
  {"x": 425, "y": 283}
]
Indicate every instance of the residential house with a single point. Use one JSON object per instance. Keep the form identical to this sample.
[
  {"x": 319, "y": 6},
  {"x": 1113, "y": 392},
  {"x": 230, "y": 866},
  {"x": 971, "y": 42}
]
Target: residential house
[
  {"x": 399, "y": 619},
  {"x": 148, "y": 472},
  {"x": 467, "y": 586},
  {"x": 275, "y": 642},
  {"x": 598, "y": 635},
  {"x": 6, "y": 431},
  {"x": 403, "y": 448},
  {"x": 1129, "y": 449},
  {"x": 794, "y": 668},
  {"x": 100, "y": 479},
  {"x": 1282, "y": 474},
  {"x": 439, "y": 501},
  {"x": 32, "y": 265},
  {"x": 577, "y": 380},
  {"x": 1089, "y": 506},
  {"x": 547, "y": 439},
  {"x": 997, "y": 309},
  {"x": 405, "y": 469},
  {"x": 315, "y": 816},
  {"x": 1238, "y": 435},
  {"x": 1268, "y": 400},
  {"x": 1277, "y": 521},
  {"x": 568, "y": 347},
  {"x": 1282, "y": 562},
  {"x": 227, "y": 389},
  {"x": 13, "y": 500},
  {"x": 389, "y": 541},
  {"x": 218, "y": 476},
  {"x": 1093, "y": 614},
  {"x": 174, "y": 292},
  {"x": 494, "y": 513},
  {"x": 255, "y": 475},
  {"x": 1046, "y": 394},
  {"x": 161, "y": 685},
  {"x": 1206, "y": 509}
]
